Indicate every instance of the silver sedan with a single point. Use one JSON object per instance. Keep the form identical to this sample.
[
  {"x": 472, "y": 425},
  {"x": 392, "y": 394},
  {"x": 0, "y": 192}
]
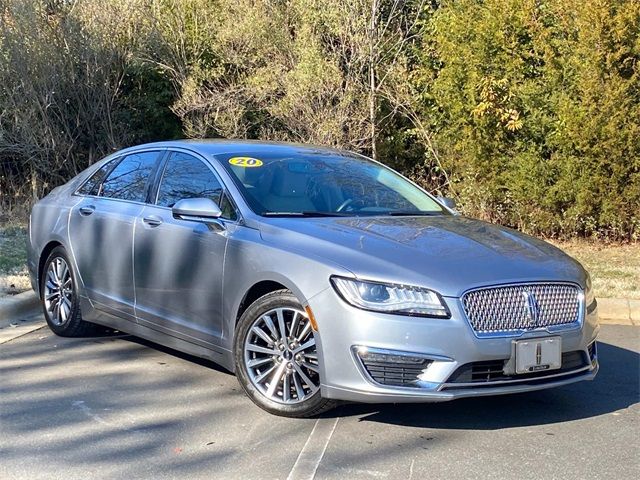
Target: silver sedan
[{"x": 316, "y": 275}]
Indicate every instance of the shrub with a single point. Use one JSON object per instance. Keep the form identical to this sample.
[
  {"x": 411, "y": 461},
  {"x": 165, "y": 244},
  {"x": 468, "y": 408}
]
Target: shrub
[{"x": 539, "y": 112}]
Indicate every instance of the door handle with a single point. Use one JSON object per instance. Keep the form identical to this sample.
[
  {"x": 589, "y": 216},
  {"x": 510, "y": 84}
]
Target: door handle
[
  {"x": 152, "y": 220},
  {"x": 87, "y": 210}
]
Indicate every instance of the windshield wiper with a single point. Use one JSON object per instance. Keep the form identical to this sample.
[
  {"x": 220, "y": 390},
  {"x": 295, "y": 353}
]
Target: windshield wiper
[
  {"x": 415, "y": 213},
  {"x": 304, "y": 214}
]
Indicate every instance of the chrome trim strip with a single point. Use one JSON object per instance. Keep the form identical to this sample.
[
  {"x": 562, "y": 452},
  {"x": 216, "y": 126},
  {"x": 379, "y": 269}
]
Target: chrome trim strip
[{"x": 402, "y": 353}]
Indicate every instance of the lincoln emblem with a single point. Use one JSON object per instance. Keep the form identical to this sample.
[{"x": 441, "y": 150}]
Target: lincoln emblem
[{"x": 532, "y": 307}]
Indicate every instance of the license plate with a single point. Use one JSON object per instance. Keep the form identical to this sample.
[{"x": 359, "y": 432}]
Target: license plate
[{"x": 538, "y": 354}]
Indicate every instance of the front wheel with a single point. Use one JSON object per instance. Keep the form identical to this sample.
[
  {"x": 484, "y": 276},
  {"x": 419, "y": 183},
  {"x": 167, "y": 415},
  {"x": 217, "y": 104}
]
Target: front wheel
[{"x": 277, "y": 358}]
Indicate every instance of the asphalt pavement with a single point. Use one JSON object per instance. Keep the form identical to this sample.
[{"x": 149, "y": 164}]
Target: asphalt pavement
[{"x": 119, "y": 407}]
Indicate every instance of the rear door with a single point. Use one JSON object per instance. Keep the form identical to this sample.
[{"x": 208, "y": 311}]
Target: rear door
[
  {"x": 101, "y": 231},
  {"x": 178, "y": 263}
]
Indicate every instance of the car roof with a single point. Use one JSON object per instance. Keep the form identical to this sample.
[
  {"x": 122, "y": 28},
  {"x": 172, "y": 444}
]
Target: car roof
[{"x": 256, "y": 147}]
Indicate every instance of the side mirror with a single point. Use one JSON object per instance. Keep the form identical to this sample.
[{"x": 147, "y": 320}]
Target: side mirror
[
  {"x": 203, "y": 210},
  {"x": 448, "y": 202}
]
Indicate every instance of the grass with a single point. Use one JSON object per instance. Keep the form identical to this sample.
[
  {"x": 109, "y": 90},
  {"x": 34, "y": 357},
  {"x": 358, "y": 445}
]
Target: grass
[
  {"x": 614, "y": 268},
  {"x": 14, "y": 277}
]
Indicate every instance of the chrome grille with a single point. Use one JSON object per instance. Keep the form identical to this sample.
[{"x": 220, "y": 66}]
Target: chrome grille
[{"x": 522, "y": 307}]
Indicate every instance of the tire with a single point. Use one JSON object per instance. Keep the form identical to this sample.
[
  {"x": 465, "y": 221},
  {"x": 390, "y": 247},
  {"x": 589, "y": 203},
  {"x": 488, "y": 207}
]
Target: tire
[
  {"x": 66, "y": 321},
  {"x": 290, "y": 363}
]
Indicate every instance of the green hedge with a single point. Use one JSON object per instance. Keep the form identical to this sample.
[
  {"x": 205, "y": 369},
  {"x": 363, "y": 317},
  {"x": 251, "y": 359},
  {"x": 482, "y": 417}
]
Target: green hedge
[{"x": 539, "y": 112}]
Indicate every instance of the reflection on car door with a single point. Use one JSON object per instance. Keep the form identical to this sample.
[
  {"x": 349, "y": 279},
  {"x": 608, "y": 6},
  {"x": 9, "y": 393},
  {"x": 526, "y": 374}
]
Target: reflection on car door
[
  {"x": 179, "y": 264},
  {"x": 102, "y": 224}
]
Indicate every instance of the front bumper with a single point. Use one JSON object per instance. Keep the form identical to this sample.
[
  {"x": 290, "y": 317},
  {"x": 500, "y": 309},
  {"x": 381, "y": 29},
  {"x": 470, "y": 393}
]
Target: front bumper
[{"x": 447, "y": 343}]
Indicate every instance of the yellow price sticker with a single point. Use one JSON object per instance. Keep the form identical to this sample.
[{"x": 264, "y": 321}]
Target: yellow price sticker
[{"x": 247, "y": 162}]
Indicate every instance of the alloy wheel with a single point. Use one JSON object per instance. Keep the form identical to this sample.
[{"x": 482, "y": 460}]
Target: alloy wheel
[
  {"x": 281, "y": 356},
  {"x": 58, "y": 291}
]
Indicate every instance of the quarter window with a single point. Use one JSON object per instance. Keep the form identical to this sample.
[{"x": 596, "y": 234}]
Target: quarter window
[
  {"x": 91, "y": 186},
  {"x": 128, "y": 181},
  {"x": 185, "y": 176}
]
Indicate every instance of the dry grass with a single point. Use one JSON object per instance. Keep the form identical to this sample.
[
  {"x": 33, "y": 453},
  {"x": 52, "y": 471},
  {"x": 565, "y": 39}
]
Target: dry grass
[
  {"x": 14, "y": 277},
  {"x": 614, "y": 268}
]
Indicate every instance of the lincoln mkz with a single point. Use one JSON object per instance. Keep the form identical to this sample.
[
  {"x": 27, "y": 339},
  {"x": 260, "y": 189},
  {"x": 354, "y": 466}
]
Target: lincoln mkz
[{"x": 315, "y": 275}]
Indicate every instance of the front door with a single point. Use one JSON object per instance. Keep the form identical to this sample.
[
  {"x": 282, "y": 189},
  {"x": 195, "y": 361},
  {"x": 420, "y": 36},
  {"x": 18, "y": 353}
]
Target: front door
[{"x": 178, "y": 263}]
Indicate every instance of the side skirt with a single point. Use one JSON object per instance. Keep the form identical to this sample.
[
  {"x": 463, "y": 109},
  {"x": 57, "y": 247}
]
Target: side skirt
[{"x": 222, "y": 358}]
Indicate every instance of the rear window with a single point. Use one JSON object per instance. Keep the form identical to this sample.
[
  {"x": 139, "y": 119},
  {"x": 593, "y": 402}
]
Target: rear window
[{"x": 129, "y": 180}]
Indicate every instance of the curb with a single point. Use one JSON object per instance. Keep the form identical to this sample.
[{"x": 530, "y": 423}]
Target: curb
[
  {"x": 619, "y": 311},
  {"x": 19, "y": 315},
  {"x": 26, "y": 303}
]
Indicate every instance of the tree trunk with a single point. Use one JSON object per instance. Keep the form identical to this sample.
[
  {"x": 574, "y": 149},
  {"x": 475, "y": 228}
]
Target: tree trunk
[
  {"x": 34, "y": 185},
  {"x": 373, "y": 27}
]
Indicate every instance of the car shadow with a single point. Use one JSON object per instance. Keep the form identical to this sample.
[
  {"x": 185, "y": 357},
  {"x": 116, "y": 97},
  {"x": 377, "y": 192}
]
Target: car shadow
[
  {"x": 176, "y": 353},
  {"x": 617, "y": 386}
]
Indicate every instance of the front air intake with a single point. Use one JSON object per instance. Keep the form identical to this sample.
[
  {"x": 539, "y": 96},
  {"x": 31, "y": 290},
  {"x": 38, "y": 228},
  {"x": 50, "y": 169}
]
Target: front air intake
[{"x": 391, "y": 368}]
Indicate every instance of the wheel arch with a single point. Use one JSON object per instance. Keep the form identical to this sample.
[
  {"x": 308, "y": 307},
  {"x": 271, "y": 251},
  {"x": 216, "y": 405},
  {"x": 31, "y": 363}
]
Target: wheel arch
[
  {"x": 44, "y": 254},
  {"x": 256, "y": 291},
  {"x": 266, "y": 283}
]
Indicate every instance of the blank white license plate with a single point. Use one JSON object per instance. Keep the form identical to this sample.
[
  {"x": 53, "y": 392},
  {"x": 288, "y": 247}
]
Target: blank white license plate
[{"x": 538, "y": 354}]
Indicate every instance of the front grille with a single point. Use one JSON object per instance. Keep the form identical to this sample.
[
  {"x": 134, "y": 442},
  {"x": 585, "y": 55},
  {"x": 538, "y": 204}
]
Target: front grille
[
  {"x": 493, "y": 370},
  {"x": 386, "y": 373},
  {"x": 521, "y": 307}
]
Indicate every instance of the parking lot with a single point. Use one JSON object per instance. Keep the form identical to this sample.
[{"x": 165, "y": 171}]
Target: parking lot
[{"x": 118, "y": 407}]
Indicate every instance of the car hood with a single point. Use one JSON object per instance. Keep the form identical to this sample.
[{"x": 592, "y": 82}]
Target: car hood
[{"x": 449, "y": 254}]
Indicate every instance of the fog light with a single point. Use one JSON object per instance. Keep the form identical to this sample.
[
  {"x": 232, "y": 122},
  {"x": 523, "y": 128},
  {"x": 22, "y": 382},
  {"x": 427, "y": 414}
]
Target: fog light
[{"x": 388, "y": 367}]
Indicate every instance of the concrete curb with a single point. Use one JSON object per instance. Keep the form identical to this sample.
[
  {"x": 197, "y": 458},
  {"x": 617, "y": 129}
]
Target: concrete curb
[
  {"x": 619, "y": 311},
  {"x": 14, "y": 307},
  {"x": 8, "y": 334}
]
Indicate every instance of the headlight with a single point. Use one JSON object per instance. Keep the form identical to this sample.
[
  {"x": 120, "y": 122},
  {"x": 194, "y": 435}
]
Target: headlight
[{"x": 382, "y": 297}]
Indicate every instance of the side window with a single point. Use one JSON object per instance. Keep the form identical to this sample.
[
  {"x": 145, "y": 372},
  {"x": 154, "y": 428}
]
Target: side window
[
  {"x": 185, "y": 176},
  {"x": 91, "y": 186},
  {"x": 128, "y": 181}
]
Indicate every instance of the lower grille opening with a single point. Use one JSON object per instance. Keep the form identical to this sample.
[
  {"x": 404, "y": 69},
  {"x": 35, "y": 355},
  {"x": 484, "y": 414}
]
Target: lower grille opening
[
  {"x": 529, "y": 381},
  {"x": 393, "y": 369},
  {"x": 485, "y": 371},
  {"x": 493, "y": 370}
]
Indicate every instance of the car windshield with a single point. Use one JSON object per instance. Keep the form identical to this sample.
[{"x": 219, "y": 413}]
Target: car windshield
[{"x": 319, "y": 184}]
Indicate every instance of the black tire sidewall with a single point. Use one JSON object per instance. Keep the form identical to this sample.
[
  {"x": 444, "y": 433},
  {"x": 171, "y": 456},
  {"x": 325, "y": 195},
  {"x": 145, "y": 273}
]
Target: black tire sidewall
[
  {"x": 74, "y": 318},
  {"x": 281, "y": 298}
]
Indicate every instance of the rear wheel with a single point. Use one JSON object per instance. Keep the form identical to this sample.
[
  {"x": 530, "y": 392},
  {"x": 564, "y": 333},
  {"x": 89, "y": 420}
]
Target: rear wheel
[
  {"x": 58, "y": 290},
  {"x": 277, "y": 358}
]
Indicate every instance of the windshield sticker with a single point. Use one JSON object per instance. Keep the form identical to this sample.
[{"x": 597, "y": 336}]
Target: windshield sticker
[{"x": 246, "y": 162}]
